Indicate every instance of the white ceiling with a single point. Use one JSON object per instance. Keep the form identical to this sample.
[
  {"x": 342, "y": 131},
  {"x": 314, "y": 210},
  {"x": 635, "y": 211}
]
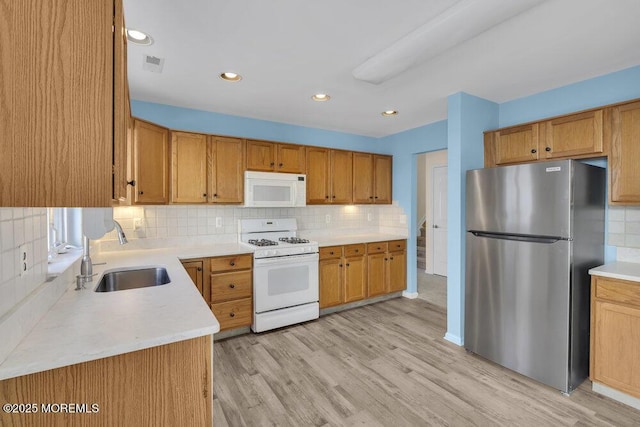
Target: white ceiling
[{"x": 287, "y": 50}]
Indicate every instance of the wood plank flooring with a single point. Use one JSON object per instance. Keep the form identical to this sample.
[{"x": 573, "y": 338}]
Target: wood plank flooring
[{"x": 386, "y": 364}]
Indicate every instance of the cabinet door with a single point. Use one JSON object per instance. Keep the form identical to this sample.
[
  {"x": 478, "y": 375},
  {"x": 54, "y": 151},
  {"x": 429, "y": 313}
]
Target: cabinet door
[
  {"x": 121, "y": 107},
  {"x": 226, "y": 160},
  {"x": 362, "y": 178},
  {"x": 290, "y": 158},
  {"x": 571, "y": 136},
  {"x": 330, "y": 273},
  {"x": 188, "y": 167},
  {"x": 56, "y": 103},
  {"x": 261, "y": 156},
  {"x": 397, "y": 271},
  {"x": 377, "y": 274},
  {"x": 150, "y": 163},
  {"x": 623, "y": 130},
  {"x": 616, "y": 346},
  {"x": 516, "y": 145},
  {"x": 382, "y": 179},
  {"x": 355, "y": 278},
  {"x": 195, "y": 270},
  {"x": 317, "y": 175},
  {"x": 341, "y": 176}
]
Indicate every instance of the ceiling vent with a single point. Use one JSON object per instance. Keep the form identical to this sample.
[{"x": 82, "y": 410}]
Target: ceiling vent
[{"x": 152, "y": 63}]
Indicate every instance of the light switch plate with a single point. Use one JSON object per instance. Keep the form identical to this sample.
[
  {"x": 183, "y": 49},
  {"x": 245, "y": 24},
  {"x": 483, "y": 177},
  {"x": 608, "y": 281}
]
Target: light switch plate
[
  {"x": 218, "y": 222},
  {"x": 327, "y": 218}
]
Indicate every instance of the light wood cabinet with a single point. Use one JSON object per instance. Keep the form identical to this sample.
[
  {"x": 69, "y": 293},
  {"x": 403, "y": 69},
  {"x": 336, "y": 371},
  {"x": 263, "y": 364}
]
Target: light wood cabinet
[
  {"x": 615, "y": 334},
  {"x": 231, "y": 290},
  {"x": 195, "y": 270},
  {"x": 355, "y": 272},
  {"x": 371, "y": 178},
  {"x": 58, "y": 122},
  {"x": 513, "y": 145},
  {"x": 329, "y": 176},
  {"x": 622, "y": 130},
  {"x": 122, "y": 122},
  {"x": 575, "y": 135},
  {"x": 387, "y": 267},
  {"x": 150, "y": 163},
  {"x": 226, "y": 172},
  {"x": 166, "y": 385},
  {"x": 275, "y": 157},
  {"x": 188, "y": 167}
]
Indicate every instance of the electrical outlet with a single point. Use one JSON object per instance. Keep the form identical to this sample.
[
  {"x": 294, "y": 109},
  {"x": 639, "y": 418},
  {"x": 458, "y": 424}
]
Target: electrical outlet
[
  {"x": 218, "y": 222},
  {"x": 24, "y": 259},
  {"x": 327, "y": 218},
  {"x": 137, "y": 224}
]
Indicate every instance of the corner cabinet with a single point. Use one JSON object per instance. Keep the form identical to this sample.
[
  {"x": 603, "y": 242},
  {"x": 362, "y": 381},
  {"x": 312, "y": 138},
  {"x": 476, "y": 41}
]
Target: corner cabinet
[
  {"x": 150, "y": 183},
  {"x": 622, "y": 124},
  {"x": 615, "y": 334},
  {"x": 57, "y": 110}
]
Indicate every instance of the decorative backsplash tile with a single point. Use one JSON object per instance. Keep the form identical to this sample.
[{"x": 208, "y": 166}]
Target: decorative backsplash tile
[{"x": 624, "y": 226}]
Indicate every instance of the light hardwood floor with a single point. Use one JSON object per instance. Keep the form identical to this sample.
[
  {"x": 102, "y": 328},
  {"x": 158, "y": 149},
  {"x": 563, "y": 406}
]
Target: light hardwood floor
[
  {"x": 386, "y": 364},
  {"x": 432, "y": 288}
]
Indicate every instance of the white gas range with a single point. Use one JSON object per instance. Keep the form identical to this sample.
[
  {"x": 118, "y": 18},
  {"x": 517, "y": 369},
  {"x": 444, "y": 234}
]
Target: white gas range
[{"x": 285, "y": 273}]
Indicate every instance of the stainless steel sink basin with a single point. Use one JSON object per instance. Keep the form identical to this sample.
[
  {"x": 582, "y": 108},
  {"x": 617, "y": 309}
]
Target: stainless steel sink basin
[{"x": 133, "y": 279}]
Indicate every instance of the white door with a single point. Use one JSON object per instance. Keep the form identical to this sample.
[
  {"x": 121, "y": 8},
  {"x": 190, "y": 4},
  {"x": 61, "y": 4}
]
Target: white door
[{"x": 439, "y": 224}]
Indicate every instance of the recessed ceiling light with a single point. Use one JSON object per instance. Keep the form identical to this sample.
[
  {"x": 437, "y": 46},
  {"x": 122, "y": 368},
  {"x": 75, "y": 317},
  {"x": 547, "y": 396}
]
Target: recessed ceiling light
[
  {"x": 231, "y": 77},
  {"x": 320, "y": 97},
  {"x": 390, "y": 113},
  {"x": 138, "y": 37}
]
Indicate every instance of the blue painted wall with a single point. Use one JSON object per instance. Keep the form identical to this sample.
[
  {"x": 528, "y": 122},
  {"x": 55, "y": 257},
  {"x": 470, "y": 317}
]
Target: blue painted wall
[
  {"x": 224, "y": 124},
  {"x": 405, "y": 147},
  {"x": 468, "y": 117}
]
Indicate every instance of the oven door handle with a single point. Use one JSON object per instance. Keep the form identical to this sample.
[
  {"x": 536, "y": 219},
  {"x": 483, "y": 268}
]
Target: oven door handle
[{"x": 287, "y": 259}]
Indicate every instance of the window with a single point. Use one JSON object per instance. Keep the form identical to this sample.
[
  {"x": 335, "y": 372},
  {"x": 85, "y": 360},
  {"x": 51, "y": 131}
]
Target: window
[{"x": 64, "y": 229}]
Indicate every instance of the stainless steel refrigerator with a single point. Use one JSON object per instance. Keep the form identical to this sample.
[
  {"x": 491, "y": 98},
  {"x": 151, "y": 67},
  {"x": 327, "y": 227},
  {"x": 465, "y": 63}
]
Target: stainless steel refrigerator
[{"x": 533, "y": 232}]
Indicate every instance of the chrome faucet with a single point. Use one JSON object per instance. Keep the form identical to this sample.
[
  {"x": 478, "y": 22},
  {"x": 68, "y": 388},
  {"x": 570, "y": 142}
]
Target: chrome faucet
[{"x": 86, "y": 266}]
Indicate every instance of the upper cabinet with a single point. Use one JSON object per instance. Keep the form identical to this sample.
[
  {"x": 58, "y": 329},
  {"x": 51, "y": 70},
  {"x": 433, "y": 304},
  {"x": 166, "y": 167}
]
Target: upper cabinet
[
  {"x": 150, "y": 160},
  {"x": 57, "y": 112},
  {"x": 371, "y": 178},
  {"x": 329, "y": 176},
  {"x": 572, "y": 136},
  {"x": 622, "y": 123},
  {"x": 274, "y": 157},
  {"x": 577, "y": 135},
  {"x": 226, "y": 171}
]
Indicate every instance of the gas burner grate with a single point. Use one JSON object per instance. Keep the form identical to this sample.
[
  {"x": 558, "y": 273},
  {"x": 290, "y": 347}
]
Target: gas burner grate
[
  {"x": 293, "y": 240},
  {"x": 262, "y": 242}
]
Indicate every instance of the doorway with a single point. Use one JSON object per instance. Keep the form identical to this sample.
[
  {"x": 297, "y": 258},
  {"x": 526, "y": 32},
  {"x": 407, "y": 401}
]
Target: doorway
[{"x": 432, "y": 227}]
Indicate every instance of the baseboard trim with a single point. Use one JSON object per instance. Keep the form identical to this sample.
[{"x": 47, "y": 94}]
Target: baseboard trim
[
  {"x": 410, "y": 295},
  {"x": 614, "y": 394},
  {"x": 454, "y": 339}
]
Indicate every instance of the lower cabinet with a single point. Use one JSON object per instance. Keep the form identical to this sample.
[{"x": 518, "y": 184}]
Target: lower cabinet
[
  {"x": 227, "y": 286},
  {"x": 615, "y": 334},
  {"x": 165, "y": 385},
  {"x": 354, "y": 272}
]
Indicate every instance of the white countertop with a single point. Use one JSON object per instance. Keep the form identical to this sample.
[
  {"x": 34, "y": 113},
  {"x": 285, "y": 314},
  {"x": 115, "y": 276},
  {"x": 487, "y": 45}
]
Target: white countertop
[
  {"x": 618, "y": 270},
  {"x": 356, "y": 238},
  {"x": 87, "y": 325}
]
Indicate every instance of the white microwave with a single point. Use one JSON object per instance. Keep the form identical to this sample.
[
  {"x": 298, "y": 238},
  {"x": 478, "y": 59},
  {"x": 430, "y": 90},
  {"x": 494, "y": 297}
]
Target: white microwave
[{"x": 273, "y": 190}]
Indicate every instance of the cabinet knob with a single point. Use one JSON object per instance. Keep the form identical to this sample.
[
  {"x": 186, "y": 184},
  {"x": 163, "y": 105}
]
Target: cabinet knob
[
  {"x": 379, "y": 248},
  {"x": 326, "y": 197},
  {"x": 199, "y": 268},
  {"x": 215, "y": 195},
  {"x": 132, "y": 183},
  {"x": 376, "y": 197},
  {"x": 232, "y": 263},
  {"x": 271, "y": 164},
  {"x": 280, "y": 164},
  {"x": 339, "y": 265},
  {"x": 331, "y": 253},
  {"x": 371, "y": 197},
  {"x": 391, "y": 258},
  {"x": 334, "y": 197},
  {"x": 357, "y": 250},
  {"x": 386, "y": 259},
  {"x": 348, "y": 264},
  {"x": 547, "y": 148},
  {"x": 232, "y": 286},
  {"x": 204, "y": 195},
  {"x": 232, "y": 314},
  {"x": 140, "y": 192},
  {"x": 534, "y": 151}
]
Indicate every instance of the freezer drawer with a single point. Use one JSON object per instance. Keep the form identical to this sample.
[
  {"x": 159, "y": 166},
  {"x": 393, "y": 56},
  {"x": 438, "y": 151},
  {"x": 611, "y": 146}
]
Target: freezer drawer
[{"x": 517, "y": 305}]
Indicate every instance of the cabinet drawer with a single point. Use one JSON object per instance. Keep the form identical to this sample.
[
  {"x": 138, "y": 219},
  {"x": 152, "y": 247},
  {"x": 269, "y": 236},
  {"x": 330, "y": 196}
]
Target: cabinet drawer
[
  {"x": 354, "y": 250},
  {"x": 618, "y": 290},
  {"x": 233, "y": 314},
  {"x": 397, "y": 245},
  {"x": 330, "y": 252},
  {"x": 228, "y": 286},
  {"x": 233, "y": 262},
  {"x": 377, "y": 247}
]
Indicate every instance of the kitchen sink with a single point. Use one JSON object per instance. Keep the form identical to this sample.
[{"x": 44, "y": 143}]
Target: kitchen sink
[{"x": 121, "y": 280}]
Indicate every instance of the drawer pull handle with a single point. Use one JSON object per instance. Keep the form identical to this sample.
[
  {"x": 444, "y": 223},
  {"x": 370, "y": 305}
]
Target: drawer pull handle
[
  {"x": 232, "y": 314},
  {"x": 232, "y": 263},
  {"x": 232, "y": 286},
  {"x": 534, "y": 151},
  {"x": 331, "y": 253},
  {"x": 357, "y": 250},
  {"x": 547, "y": 148}
]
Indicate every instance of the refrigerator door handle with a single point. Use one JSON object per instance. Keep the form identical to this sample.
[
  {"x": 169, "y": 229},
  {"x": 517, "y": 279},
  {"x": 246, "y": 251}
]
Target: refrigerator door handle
[{"x": 518, "y": 237}]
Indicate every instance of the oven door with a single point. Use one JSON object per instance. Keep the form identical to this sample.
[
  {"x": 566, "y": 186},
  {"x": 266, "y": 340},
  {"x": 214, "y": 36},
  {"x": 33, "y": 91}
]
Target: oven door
[{"x": 284, "y": 281}]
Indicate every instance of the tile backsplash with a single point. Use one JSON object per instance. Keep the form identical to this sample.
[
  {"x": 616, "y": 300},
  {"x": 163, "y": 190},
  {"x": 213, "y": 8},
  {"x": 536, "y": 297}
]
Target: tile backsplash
[
  {"x": 150, "y": 223},
  {"x": 28, "y": 227},
  {"x": 624, "y": 226}
]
